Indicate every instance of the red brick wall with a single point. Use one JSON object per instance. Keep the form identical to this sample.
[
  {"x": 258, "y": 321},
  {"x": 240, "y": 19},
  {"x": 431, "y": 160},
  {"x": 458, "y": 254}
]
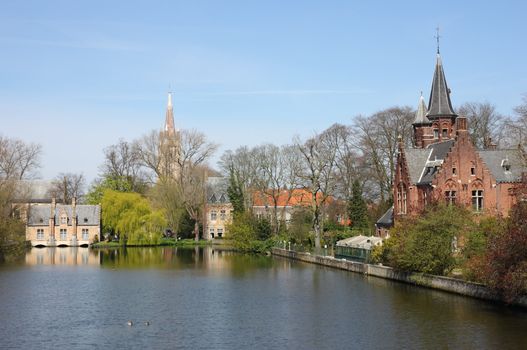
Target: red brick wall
[{"x": 463, "y": 157}]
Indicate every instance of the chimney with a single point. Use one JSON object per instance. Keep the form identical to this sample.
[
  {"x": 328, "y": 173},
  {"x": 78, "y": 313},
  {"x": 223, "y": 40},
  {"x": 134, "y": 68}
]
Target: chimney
[
  {"x": 491, "y": 145},
  {"x": 461, "y": 124},
  {"x": 52, "y": 208},
  {"x": 74, "y": 215},
  {"x": 52, "y": 219}
]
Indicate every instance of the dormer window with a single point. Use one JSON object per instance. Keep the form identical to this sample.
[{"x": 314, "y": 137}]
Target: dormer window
[
  {"x": 222, "y": 198},
  {"x": 506, "y": 165},
  {"x": 213, "y": 198},
  {"x": 63, "y": 219}
]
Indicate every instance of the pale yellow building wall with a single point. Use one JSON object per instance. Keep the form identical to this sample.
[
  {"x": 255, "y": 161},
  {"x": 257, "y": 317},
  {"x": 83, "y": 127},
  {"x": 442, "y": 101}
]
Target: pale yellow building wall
[
  {"x": 93, "y": 231},
  {"x": 220, "y": 223}
]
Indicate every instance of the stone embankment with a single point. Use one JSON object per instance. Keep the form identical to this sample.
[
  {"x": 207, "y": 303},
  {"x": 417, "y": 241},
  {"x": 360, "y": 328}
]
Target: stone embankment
[{"x": 446, "y": 284}]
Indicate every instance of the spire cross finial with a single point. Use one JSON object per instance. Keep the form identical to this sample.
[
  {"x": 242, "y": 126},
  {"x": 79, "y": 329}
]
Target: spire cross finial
[{"x": 437, "y": 36}]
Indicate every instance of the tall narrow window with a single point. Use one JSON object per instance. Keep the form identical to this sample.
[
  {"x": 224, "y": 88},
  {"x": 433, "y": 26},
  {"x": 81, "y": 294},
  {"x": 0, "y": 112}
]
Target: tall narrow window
[
  {"x": 454, "y": 171},
  {"x": 85, "y": 235},
  {"x": 213, "y": 215},
  {"x": 220, "y": 232},
  {"x": 436, "y": 134},
  {"x": 211, "y": 232},
  {"x": 477, "y": 200},
  {"x": 63, "y": 234},
  {"x": 445, "y": 133},
  {"x": 399, "y": 201},
  {"x": 450, "y": 197},
  {"x": 222, "y": 214},
  {"x": 472, "y": 171},
  {"x": 40, "y": 233},
  {"x": 405, "y": 207}
]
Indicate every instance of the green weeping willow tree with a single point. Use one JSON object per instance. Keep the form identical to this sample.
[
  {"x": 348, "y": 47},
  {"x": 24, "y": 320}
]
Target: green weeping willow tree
[{"x": 132, "y": 217}]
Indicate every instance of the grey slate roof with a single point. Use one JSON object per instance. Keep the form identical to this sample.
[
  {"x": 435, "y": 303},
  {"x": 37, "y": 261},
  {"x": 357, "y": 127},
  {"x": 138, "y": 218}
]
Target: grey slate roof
[
  {"x": 420, "y": 115},
  {"x": 217, "y": 190},
  {"x": 39, "y": 214},
  {"x": 415, "y": 159},
  {"x": 423, "y": 164},
  {"x": 386, "y": 220},
  {"x": 496, "y": 161},
  {"x": 439, "y": 103}
]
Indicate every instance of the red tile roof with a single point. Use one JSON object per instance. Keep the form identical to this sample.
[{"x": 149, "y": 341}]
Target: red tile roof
[{"x": 296, "y": 197}]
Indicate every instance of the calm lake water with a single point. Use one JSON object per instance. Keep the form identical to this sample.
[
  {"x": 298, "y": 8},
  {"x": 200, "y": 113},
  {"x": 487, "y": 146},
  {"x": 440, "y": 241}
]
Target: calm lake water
[{"x": 206, "y": 298}]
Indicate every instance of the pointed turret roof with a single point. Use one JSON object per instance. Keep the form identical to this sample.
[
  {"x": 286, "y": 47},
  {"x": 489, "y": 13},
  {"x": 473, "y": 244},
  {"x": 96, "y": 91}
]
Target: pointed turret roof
[
  {"x": 420, "y": 115},
  {"x": 440, "y": 104},
  {"x": 169, "y": 120}
]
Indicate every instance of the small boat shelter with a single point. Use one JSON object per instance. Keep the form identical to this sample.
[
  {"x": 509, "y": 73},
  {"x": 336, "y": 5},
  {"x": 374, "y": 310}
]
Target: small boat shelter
[{"x": 357, "y": 248}]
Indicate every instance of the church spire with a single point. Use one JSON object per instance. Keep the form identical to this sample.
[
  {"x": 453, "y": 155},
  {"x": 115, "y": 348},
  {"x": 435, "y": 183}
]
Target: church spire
[
  {"x": 169, "y": 120},
  {"x": 420, "y": 115},
  {"x": 440, "y": 104}
]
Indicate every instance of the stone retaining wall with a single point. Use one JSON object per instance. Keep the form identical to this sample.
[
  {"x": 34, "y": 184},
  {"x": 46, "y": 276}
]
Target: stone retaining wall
[{"x": 447, "y": 284}]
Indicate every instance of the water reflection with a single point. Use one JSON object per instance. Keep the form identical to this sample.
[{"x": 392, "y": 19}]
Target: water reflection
[
  {"x": 62, "y": 256},
  {"x": 209, "y": 258},
  {"x": 202, "y": 298}
]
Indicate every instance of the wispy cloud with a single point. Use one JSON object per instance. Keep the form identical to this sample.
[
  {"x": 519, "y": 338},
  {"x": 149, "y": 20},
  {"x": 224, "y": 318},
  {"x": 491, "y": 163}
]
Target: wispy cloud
[{"x": 299, "y": 92}]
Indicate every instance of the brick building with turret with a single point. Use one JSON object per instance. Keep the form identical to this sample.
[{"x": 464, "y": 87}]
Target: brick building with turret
[{"x": 444, "y": 164}]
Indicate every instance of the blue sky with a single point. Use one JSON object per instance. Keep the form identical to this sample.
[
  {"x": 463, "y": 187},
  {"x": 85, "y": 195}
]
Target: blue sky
[{"x": 75, "y": 76}]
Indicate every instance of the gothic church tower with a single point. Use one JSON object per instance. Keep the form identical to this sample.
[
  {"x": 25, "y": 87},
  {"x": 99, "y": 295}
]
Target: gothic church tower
[{"x": 170, "y": 145}]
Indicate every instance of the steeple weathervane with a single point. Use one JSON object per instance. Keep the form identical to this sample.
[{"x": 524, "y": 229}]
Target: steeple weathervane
[{"x": 437, "y": 36}]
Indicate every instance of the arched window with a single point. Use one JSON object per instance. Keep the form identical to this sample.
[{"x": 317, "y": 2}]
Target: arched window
[
  {"x": 402, "y": 204},
  {"x": 405, "y": 205}
]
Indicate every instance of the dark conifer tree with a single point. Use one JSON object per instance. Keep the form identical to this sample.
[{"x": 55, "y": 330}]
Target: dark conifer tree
[
  {"x": 235, "y": 193},
  {"x": 357, "y": 211}
]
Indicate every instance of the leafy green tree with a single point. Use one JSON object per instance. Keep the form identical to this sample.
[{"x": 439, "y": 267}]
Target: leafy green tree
[
  {"x": 186, "y": 227},
  {"x": 132, "y": 217},
  {"x": 263, "y": 229},
  {"x": 235, "y": 193},
  {"x": 96, "y": 192},
  {"x": 299, "y": 230},
  {"x": 505, "y": 267},
  {"x": 357, "y": 210},
  {"x": 475, "y": 246},
  {"x": 250, "y": 234},
  {"x": 427, "y": 243},
  {"x": 12, "y": 238}
]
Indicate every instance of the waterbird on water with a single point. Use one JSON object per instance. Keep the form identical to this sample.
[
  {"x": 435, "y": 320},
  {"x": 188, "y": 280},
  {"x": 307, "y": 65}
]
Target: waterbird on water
[
  {"x": 130, "y": 323},
  {"x": 147, "y": 323}
]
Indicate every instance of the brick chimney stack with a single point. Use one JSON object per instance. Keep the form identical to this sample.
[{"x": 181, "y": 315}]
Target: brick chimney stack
[
  {"x": 74, "y": 215},
  {"x": 52, "y": 218},
  {"x": 461, "y": 124}
]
